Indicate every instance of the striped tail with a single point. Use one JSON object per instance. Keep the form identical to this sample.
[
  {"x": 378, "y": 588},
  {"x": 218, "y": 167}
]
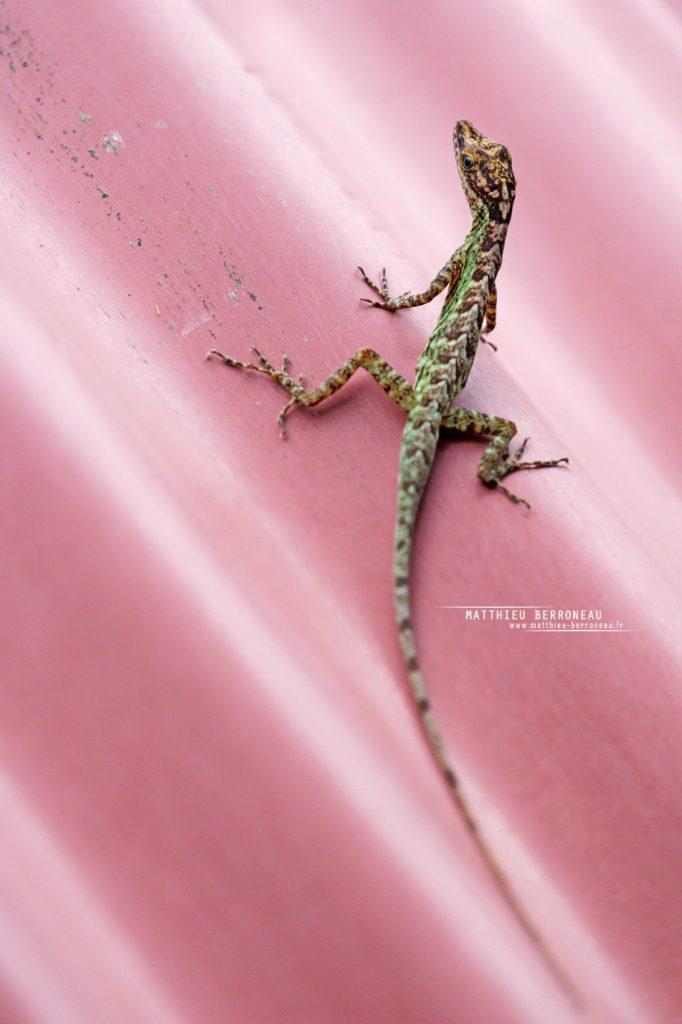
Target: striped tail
[
  {"x": 412, "y": 478},
  {"x": 415, "y": 466}
]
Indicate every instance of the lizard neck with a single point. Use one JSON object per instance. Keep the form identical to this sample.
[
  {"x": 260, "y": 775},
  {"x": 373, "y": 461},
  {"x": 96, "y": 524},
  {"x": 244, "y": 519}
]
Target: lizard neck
[
  {"x": 477, "y": 232},
  {"x": 488, "y": 235},
  {"x": 481, "y": 258},
  {"x": 495, "y": 235},
  {"x": 465, "y": 304},
  {"x": 484, "y": 243}
]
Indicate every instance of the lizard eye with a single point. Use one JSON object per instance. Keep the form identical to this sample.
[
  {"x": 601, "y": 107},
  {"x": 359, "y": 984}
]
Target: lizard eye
[{"x": 467, "y": 161}]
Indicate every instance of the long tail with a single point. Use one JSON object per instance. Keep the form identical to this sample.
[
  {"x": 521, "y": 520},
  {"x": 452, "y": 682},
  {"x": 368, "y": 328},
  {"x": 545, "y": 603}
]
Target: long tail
[{"x": 412, "y": 481}]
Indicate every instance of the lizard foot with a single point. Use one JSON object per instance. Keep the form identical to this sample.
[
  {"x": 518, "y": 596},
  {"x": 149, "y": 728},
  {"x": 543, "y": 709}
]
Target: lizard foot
[
  {"x": 285, "y": 380},
  {"x": 512, "y": 497},
  {"x": 281, "y": 377},
  {"x": 514, "y": 463},
  {"x": 387, "y": 302}
]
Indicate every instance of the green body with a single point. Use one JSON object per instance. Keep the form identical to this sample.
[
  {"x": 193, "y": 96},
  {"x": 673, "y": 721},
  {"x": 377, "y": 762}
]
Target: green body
[{"x": 441, "y": 372}]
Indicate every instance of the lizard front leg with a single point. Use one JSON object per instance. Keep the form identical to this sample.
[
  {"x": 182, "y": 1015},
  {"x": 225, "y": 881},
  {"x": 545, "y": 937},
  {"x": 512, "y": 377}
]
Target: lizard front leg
[
  {"x": 449, "y": 275},
  {"x": 491, "y": 310},
  {"x": 490, "y": 317},
  {"x": 388, "y": 379},
  {"x": 496, "y": 462}
]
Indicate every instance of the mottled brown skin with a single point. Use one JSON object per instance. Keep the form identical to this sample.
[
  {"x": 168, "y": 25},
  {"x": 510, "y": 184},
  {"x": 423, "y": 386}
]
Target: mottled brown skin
[{"x": 442, "y": 370}]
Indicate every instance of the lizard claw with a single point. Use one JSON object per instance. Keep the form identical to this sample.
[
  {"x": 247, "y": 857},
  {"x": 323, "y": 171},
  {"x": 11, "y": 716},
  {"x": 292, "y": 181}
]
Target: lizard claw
[
  {"x": 512, "y": 497},
  {"x": 281, "y": 419},
  {"x": 521, "y": 449},
  {"x": 381, "y": 289},
  {"x": 265, "y": 363}
]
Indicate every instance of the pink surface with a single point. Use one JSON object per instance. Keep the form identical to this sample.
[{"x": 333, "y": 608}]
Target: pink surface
[{"x": 216, "y": 804}]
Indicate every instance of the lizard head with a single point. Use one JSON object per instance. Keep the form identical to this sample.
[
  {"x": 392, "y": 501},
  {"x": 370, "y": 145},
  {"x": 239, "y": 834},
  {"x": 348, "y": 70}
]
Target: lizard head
[{"x": 485, "y": 171}]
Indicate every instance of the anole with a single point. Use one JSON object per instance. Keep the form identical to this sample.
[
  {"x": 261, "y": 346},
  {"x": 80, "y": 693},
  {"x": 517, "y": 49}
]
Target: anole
[{"x": 442, "y": 370}]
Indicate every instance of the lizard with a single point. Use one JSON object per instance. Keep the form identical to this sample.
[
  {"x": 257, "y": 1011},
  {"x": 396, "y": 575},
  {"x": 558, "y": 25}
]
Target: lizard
[{"x": 487, "y": 178}]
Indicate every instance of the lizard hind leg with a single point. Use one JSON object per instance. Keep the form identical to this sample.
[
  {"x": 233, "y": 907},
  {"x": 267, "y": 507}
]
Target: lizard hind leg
[
  {"x": 282, "y": 377},
  {"x": 496, "y": 462},
  {"x": 388, "y": 379}
]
